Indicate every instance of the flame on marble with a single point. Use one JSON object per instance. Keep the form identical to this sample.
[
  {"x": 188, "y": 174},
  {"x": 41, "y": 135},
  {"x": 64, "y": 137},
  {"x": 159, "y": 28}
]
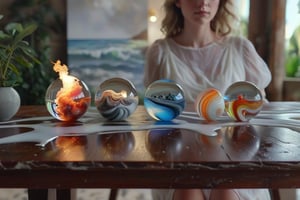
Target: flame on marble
[{"x": 70, "y": 99}]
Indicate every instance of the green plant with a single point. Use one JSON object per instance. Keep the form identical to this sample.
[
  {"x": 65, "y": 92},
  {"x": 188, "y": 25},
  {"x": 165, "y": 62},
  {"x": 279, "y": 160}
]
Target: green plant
[
  {"x": 51, "y": 25},
  {"x": 15, "y": 52}
]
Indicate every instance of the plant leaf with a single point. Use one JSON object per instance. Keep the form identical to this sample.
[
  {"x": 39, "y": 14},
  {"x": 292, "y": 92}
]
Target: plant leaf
[
  {"x": 14, "y": 69},
  {"x": 13, "y": 27},
  {"x": 23, "y": 62},
  {"x": 28, "y": 51},
  {"x": 25, "y": 32}
]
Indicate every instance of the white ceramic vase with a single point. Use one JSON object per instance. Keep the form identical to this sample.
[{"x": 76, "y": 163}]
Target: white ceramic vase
[{"x": 9, "y": 103}]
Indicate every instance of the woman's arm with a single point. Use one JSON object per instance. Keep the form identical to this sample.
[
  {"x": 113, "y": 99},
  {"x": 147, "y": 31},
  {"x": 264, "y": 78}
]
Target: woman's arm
[
  {"x": 256, "y": 69},
  {"x": 152, "y": 63}
]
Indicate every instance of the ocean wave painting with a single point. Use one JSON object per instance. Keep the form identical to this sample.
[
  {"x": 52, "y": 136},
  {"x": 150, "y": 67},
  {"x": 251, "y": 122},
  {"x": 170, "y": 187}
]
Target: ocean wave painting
[
  {"x": 107, "y": 39},
  {"x": 111, "y": 19},
  {"x": 96, "y": 60}
]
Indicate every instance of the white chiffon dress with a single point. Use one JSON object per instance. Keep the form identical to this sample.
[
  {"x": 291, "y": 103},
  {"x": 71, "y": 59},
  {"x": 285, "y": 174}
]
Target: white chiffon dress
[{"x": 216, "y": 65}]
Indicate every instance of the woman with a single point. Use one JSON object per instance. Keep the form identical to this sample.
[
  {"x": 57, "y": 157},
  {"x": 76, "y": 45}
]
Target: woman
[{"x": 199, "y": 52}]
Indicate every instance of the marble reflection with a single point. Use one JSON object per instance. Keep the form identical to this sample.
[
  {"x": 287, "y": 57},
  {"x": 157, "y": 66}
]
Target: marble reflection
[
  {"x": 164, "y": 143},
  {"x": 235, "y": 143},
  {"x": 70, "y": 148},
  {"x": 116, "y": 145},
  {"x": 241, "y": 142}
]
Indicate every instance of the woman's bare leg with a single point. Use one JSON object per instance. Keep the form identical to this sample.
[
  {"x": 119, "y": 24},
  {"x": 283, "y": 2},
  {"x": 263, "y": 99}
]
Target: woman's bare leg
[
  {"x": 224, "y": 195},
  {"x": 188, "y": 194}
]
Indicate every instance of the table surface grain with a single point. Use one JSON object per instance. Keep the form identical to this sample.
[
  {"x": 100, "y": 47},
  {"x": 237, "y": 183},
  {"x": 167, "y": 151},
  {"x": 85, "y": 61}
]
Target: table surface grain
[{"x": 262, "y": 153}]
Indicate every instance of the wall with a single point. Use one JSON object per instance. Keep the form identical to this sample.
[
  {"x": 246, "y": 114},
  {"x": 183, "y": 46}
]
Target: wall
[
  {"x": 58, "y": 41},
  {"x": 154, "y": 27},
  {"x": 3, "y": 7}
]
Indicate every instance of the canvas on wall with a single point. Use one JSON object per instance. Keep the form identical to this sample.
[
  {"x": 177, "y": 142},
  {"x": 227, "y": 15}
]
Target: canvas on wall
[{"x": 107, "y": 39}]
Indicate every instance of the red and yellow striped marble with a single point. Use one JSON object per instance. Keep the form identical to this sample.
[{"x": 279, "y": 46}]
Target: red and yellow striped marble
[{"x": 242, "y": 109}]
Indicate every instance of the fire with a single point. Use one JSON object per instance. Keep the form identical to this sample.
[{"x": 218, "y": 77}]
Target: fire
[{"x": 70, "y": 99}]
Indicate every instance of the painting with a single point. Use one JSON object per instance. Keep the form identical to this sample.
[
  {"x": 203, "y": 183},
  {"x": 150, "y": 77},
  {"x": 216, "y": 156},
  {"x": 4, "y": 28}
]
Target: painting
[{"x": 107, "y": 39}]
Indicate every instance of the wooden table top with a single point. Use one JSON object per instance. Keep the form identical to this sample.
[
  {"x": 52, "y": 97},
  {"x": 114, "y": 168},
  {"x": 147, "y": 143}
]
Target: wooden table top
[{"x": 142, "y": 153}]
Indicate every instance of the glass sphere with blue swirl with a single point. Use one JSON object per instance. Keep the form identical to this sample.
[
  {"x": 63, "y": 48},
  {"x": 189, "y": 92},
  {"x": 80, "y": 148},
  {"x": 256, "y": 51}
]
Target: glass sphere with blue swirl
[{"x": 164, "y": 100}]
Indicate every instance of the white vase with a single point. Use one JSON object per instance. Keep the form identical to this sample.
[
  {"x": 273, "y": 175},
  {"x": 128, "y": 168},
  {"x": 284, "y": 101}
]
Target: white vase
[{"x": 9, "y": 103}]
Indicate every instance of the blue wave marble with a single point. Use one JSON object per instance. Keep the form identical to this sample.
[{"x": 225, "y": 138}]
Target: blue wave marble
[
  {"x": 164, "y": 100},
  {"x": 116, "y": 99}
]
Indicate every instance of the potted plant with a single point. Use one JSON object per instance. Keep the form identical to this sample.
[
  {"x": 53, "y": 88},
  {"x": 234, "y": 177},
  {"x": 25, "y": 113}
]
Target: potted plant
[{"x": 15, "y": 54}]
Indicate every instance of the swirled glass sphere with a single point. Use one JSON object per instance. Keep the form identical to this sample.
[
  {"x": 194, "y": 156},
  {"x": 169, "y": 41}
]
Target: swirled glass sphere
[
  {"x": 164, "y": 100},
  {"x": 116, "y": 99},
  {"x": 210, "y": 104},
  {"x": 67, "y": 102},
  {"x": 243, "y": 101}
]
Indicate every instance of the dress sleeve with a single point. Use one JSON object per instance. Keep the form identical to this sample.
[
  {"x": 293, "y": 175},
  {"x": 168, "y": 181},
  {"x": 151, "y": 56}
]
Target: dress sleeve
[
  {"x": 152, "y": 63},
  {"x": 256, "y": 69}
]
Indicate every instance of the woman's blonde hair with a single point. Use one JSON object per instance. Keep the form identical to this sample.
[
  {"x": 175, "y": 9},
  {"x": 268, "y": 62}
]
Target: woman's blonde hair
[{"x": 222, "y": 24}]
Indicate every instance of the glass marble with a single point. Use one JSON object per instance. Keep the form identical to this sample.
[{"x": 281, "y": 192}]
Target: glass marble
[
  {"x": 116, "y": 99},
  {"x": 69, "y": 102},
  {"x": 164, "y": 100},
  {"x": 243, "y": 101},
  {"x": 210, "y": 104}
]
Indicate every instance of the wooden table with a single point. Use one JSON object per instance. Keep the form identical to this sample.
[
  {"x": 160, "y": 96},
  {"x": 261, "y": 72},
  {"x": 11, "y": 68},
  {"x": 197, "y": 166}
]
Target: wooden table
[{"x": 39, "y": 152}]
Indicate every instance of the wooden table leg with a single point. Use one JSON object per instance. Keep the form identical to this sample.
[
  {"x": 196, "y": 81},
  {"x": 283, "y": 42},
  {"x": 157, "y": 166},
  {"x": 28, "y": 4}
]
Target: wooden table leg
[
  {"x": 113, "y": 194},
  {"x": 63, "y": 194},
  {"x": 42, "y": 194},
  {"x": 275, "y": 194},
  {"x": 37, "y": 194}
]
